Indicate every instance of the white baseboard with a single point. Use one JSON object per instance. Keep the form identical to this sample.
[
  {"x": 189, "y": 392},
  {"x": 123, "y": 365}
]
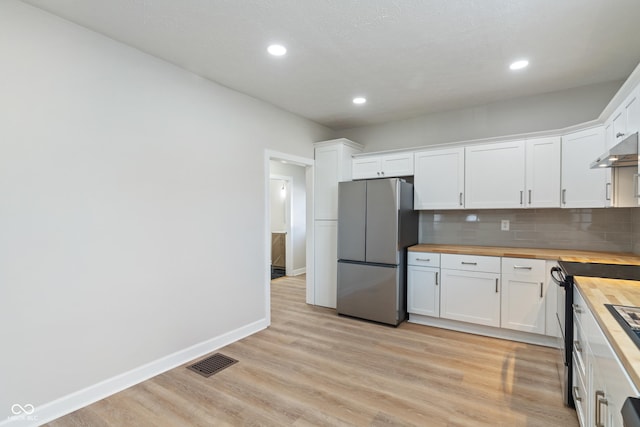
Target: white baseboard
[
  {"x": 506, "y": 334},
  {"x": 299, "y": 271},
  {"x": 81, "y": 398}
]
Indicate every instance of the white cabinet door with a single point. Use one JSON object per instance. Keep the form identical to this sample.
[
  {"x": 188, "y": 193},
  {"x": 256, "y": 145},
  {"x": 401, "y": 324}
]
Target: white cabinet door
[
  {"x": 326, "y": 182},
  {"x": 495, "y": 175},
  {"x": 332, "y": 165},
  {"x": 423, "y": 290},
  {"x": 470, "y": 296},
  {"x": 366, "y": 167},
  {"x": 438, "y": 182},
  {"x": 619, "y": 124},
  {"x": 583, "y": 187},
  {"x": 397, "y": 165},
  {"x": 632, "y": 112},
  {"x": 326, "y": 263},
  {"x": 551, "y": 325},
  {"x": 543, "y": 172},
  {"x": 523, "y": 307},
  {"x": 384, "y": 166}
]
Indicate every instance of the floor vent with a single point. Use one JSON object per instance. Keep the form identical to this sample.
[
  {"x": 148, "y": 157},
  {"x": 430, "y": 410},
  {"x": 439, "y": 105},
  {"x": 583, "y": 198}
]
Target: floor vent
[{"x": 212, "y": 365}]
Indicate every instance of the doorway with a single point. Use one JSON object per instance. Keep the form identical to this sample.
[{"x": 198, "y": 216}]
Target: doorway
[
  {"x": 282, "y": 233},
  {"x": 289, "y": 211}
]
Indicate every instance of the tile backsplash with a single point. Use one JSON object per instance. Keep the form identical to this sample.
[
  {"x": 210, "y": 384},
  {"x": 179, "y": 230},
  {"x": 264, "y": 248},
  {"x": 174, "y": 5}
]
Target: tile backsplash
[{"x": 613, "y": 229}]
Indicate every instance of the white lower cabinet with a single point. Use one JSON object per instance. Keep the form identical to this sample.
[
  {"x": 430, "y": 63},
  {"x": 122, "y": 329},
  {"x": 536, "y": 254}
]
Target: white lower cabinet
[
  {"x": 423, "y": 290},
  {"x": 523, "y": 305},
  {"x": 515, "y": 295},
  {"x": 423, "y": 283},
  {"x": 470, "y": 296}
]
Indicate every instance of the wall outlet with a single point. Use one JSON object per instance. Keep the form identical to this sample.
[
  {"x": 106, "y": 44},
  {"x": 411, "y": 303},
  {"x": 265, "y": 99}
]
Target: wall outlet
[{"x": 504, "y": 225}]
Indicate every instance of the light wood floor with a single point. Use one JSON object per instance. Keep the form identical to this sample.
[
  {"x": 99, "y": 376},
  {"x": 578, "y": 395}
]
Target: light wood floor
[{"x": 313, "y": 368}]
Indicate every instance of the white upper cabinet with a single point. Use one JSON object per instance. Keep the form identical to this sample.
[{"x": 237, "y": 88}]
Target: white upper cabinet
[
  {"x": 583, "y": 187},
  {"x": 495, "y": 175},
  {"x": 626, "y": 118},
  {"x": 543, "y": 172},
  {"x": 632, "y": 112},
  {"x": 439, "y": 179},
  {"x": 383, "y": 166}
]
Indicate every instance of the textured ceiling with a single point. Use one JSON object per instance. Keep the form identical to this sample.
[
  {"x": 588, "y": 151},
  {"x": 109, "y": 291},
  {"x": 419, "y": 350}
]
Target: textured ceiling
[{"x": 408, "y": 57}]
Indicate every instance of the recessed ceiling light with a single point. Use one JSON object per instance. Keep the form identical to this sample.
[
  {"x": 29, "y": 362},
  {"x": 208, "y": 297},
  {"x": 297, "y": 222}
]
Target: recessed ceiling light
[
  {"x": 359, "y": 100},
  {"x": 518, "y": 65},
  {"x": 277, "y": 50}
]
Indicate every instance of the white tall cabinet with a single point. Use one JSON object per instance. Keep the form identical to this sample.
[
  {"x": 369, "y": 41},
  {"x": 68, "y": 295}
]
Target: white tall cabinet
[{"x": 333, "y": 160}]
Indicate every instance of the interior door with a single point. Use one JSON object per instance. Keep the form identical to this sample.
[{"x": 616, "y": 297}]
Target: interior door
[{"x": 382, "y": 221}]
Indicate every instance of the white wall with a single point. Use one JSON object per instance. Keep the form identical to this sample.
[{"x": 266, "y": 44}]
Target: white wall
[
  {"x": 278, "y": 205},
  {"x": 542, "y": 112},
  {"x": 298, "y": 200},
  {"x": 132, "y": 202}
]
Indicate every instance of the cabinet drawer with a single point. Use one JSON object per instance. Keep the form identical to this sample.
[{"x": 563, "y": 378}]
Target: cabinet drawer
[
  {"x": 524, "y": 268},
  {"x": 579, "y": 350},
  {"x": 580, "y": 310},
  {"x": 425, "y": 259},
  {"x": 487, "y": 264},
  {"x": 580, "y": 397}
]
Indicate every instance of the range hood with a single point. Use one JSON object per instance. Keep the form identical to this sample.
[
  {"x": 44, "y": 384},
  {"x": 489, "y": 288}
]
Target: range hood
[{"x": 625, "y": 153}]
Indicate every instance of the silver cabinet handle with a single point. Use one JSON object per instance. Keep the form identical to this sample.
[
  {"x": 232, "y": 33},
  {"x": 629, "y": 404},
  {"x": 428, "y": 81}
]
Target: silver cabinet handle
[
  {"x": 564, "y": 196},
  {"x": 576, "y": 396},
  {"x": 461, "y": 199},
  {"x": 636, "y": 184},
  {"x": 521, "y": 267},
  {"x": 437, "y": 278},
  {"x": 599, "y": 401},
  {"x": 541, "y": 286},
  {"x": 529, "y": 196},
  {"x": 619, "y": 134},
  {"x": 521, "y": 194},
  {"x": 607, "y": 191},
  {"x": 576, "y": 345},
  {"x": 497, "y": 285},
  {"x": 423, "y": 259},
  {"x": 576, "y": 308},
  {"x": 468, "y": 263}
]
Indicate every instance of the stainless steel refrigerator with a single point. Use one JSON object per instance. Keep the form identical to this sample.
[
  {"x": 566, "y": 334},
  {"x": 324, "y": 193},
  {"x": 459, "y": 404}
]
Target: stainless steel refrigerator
[{"x": 376, "y": 224}]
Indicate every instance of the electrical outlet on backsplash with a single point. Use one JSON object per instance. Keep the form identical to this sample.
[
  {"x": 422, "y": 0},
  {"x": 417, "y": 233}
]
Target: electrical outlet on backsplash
[{"x": 606, "y": 229}]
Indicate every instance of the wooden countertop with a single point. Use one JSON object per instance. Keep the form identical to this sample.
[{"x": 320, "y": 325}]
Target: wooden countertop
[
  {"x": 597, "y": 292},
  {"x": 534, "y": 253}
]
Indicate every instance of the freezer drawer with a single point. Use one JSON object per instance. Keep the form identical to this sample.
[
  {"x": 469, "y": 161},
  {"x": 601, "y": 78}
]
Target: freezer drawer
[{"x": 372, "y": 292}]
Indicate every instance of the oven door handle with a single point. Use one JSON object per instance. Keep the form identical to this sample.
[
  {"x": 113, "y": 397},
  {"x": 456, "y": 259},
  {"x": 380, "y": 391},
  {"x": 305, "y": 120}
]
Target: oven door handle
[{"x": 557, "y": 276}]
